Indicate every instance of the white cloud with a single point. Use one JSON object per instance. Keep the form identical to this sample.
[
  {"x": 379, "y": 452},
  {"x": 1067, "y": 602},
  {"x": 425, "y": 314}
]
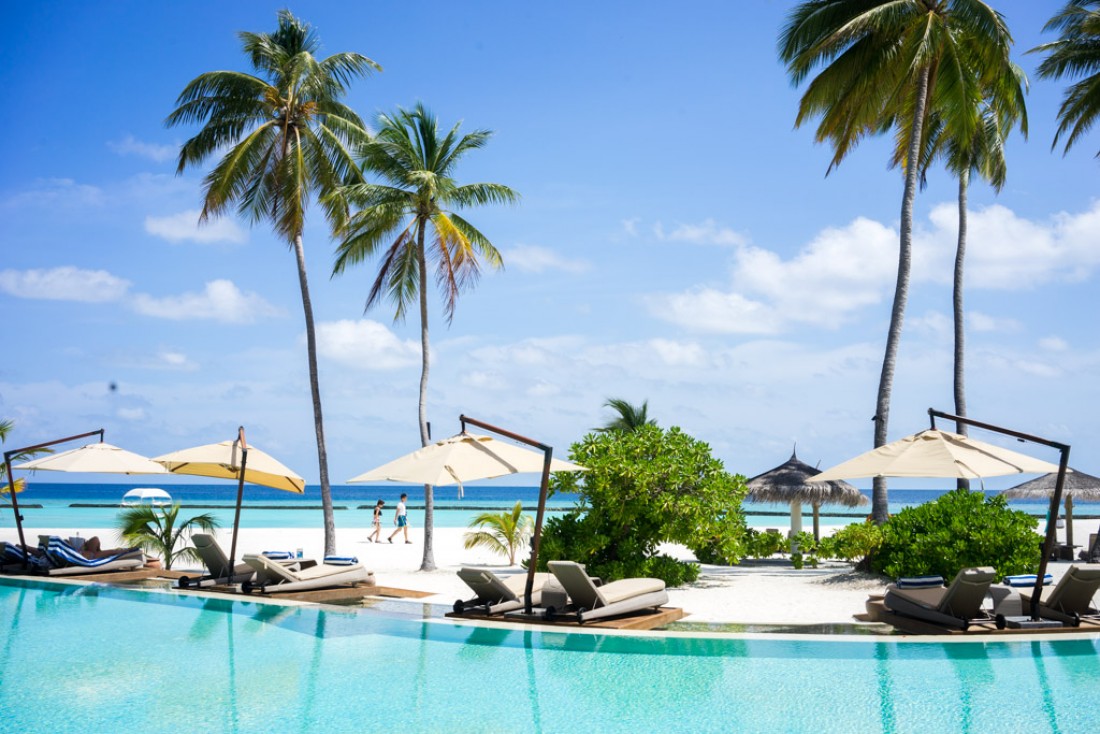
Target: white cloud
[
  {"x": 840, "y": 271},
  {"x": 979, "y": 321},
  {"x": 185, "y": 226},
  {"x": 66, "y": 283},
  {"x": 220, "y": 300},
  {"x": 534, "y": 259},
  {"x": 630, "y": 226},
  {"x": 707, "y": 232},
  {"x": 365, "y": 344},
  {"x": 57, "y": 192},
  {"x": 131, "y": 414},
  {"x": 130, "y": 145},
  {"x": 1054, "y": 344}
]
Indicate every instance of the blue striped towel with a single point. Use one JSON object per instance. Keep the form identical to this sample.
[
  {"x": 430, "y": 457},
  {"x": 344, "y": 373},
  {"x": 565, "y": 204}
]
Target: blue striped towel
[
  {"x": 1026, "y": 579},
  {"x": 919, "y": 582},
  {"x": 279, "y": 555},
  {"x": 341, "y": 560},
  {"x": 62, "y": 554}
]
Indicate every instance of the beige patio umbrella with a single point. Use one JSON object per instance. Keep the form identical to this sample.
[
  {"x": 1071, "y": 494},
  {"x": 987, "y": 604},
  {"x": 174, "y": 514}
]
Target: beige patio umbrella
[
  {"x": 234, "y": 460},
  {"x": 1076, "y": 486},
  {"x": 789, "y": 483},
  {"x": 95, "y": 458},
  {"x": 462, "y": 458},
  {"x": 936, "y": 453}
]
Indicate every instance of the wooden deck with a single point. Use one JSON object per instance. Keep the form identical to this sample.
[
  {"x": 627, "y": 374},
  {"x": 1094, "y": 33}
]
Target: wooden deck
[
  {"x": 877, "y": 612},
  {"x": 646, "y": 621}
]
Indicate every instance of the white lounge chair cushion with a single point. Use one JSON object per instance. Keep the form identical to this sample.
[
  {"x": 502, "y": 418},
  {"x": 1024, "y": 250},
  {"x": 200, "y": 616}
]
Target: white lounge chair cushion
[{"x": 617, "y": 591}]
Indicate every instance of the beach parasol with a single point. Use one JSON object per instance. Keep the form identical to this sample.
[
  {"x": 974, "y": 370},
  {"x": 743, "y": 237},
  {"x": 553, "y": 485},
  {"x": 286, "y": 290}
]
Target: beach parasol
[
  {"x": 467, "y": 457},
  {"x": 234, "y": 460},
  {"x": 935, "y": 453},
  {"x": 146, "y": 495},
  {"x": 1077, "y": 486},
  {"x": 789, "y": 483}
]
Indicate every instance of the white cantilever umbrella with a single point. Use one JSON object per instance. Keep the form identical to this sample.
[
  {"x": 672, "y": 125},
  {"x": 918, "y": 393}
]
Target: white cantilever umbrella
[{"x": 95, "y": 458}]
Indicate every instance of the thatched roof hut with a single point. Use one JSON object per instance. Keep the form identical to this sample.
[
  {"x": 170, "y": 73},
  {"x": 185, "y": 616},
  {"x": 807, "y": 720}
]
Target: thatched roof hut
[
  {"x": 789, "y": 483},
  {"x": 1077, "y": 486}
]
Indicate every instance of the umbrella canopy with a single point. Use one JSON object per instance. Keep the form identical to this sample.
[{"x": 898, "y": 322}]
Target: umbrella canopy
[
  {"x": 223, "y": 461},
  {"x": 935, "y": 453},
  {"x": 95, "y": 458},
  {"x": 790, "y": 483},
  {"x": 1076, "y": 486},
  {"x": 462, "y": 458},
  {"x": 143, "y": 495}
]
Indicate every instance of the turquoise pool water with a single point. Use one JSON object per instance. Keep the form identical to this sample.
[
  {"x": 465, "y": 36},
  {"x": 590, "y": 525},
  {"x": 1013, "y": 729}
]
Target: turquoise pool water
[{"x": 96, "y": 658}]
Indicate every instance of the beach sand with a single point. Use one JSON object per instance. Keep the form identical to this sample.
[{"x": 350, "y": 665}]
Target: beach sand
[{"x": 756, "y": 592}]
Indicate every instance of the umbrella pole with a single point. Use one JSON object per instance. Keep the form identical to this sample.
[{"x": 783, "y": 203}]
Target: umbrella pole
[
  {"x": 237, "y": 512},
  {"x": 1069, "y": 522},
  {"x": 1048, "y": 541}
]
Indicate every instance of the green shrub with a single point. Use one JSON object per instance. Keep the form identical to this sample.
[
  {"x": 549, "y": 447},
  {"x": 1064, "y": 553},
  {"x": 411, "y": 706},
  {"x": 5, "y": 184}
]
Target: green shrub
[
  {"x": 643, "y": 488},
  {"x": 765, "y": 544},
  {"x": 858, "y": 542},
  {"x": 958, "y": 530}
]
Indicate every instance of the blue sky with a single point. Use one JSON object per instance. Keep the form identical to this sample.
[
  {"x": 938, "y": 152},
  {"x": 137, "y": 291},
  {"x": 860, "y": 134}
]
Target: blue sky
[{"x": 677, "y": 241}]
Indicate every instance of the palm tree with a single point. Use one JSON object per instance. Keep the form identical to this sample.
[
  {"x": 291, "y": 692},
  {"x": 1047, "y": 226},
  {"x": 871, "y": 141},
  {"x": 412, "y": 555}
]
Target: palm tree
[
  {"x": 6, "y": 427},
  {"x": 1075, "y": 54},
  {"x": 998, "y": 103},
  {"x": 287, "y": 132},
  {"x": 155, "y": 530},
  {"x": 418, "y": 193},
  {"x": 507, "y": 532},
  {"x": 882, "y": 59},
  {"x": 629, "y": 417}
]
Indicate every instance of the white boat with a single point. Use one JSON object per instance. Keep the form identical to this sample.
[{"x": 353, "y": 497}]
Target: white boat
[{"x": 146, "y": 496}]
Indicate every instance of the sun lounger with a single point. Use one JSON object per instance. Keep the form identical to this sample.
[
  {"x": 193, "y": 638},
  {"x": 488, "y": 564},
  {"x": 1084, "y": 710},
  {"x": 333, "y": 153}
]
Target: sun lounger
[
  {"x": 618, "y": 597},
  {"x": 1070, "y": 599},
  {"x": 217, "y": 565},
  {"x": 13, "y": 559},
  {"x": 1092, "y": 553},
  {"x": 273, "y": 576},
  {"x": 65, "y": 560},
  {"x": 956, "y": 605},
  {"x": 496, "y": 595}
]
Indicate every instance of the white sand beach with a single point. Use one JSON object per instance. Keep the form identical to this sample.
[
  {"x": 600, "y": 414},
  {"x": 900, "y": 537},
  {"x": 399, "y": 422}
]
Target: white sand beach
[{"x": 755, "y": 592}]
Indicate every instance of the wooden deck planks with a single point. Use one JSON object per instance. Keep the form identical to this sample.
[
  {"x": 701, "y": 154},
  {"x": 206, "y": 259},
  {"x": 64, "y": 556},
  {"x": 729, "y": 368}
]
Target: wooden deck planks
[{"x": 879, "y": 613}]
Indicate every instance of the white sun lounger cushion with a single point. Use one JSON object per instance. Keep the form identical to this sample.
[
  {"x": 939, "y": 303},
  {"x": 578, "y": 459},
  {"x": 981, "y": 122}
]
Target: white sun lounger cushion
[{"x": 616, "y": 591}]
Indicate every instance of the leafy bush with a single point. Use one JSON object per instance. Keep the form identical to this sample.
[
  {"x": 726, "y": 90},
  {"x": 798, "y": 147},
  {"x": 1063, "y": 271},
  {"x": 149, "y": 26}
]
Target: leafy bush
[
  {"x": 858, "y": 542},
  {"x": 803, "y": 549},
  {"x": 955, "y": 531},
  {"x": 643, "y": 488}
]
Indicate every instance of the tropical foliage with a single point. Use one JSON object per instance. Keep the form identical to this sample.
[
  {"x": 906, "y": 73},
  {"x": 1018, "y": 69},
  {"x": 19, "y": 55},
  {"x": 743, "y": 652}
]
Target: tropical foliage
[
  {"x": 283, "y": 136},
  {"x": 6, "y": 427},
  {"x": 958, "y": 530},
  {"x": 159, "y": 531},
  {"x": 628, "y": 417},
  {"x": 503, "y": 533},
  {"x": 884, "y": 64},
  {"x": 1076, "y": 55},
  {"x": 643, "y": 488},
  {"x": 409, "y": 218}
]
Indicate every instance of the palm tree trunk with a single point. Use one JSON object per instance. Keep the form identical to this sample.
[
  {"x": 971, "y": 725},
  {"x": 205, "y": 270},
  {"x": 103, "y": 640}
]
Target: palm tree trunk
[
  {"x": 880, "y": 497},
  {"x": 957, "y": 306},
  {"x": 315, "y": 391},
  {"x": 428, "y": 562}
]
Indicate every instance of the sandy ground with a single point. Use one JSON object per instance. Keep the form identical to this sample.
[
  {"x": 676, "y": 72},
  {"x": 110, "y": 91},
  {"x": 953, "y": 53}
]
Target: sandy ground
[{"x": 756, "y": 592}]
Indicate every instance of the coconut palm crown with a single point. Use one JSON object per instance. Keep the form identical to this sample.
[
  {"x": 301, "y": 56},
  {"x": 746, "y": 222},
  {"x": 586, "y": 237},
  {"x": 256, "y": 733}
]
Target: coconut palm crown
[
  {"x": 283, "y": 135},
  {"x": 410, "y": 217},
  {"x": 1077, "y": 55},
  {"x": 159, "y": 531}
]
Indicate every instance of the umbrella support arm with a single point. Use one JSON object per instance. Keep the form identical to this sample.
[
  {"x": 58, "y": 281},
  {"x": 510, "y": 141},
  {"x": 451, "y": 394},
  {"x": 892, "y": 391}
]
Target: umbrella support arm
[
  {"x": 11, "y": 479},
  {"x": 544, "y": 487},
  {"x": 1055, "y": 499}
]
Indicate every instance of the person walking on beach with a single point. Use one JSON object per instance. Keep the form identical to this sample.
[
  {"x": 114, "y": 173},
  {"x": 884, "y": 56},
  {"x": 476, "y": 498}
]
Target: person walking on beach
[
  {"x": 401, "y": 519},
  {"x": 376, "y": 522}
]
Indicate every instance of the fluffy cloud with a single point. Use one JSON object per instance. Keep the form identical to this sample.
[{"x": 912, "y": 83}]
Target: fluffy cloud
[
  {"x": 64, "y": 284},
  {"x": 220, "y": 300},
  {"x": 979, "y": 321},
  {"x": 130, "y": 145},
  {"x": 534, "y": 259},
  {"x": 365, "y": 344},
  {"x": 185, "y": 227},
  {"x": 57, "y": 192},
  {"x": 707, "y": 232}
]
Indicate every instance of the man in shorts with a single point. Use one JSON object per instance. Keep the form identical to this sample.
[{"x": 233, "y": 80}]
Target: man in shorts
[{"x": 401, "y": 519}]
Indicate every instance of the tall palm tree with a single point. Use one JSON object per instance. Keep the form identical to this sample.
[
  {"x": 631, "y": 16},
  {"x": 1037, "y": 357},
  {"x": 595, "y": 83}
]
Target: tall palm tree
[
  {"x": 628, "y": 417},
  {"x": 158, "y": 530},
  {"x": 881, "y": 59},
  {"x": 1075, "y": 54},
  {"x": 287, "y": 134},
  {"x": 999, "y": 106},
  {"x": 415, "y": 163},
  {"x": 504, "y": 533}
]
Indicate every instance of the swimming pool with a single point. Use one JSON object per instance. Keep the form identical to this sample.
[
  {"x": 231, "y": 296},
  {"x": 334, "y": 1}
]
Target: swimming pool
[{"x": 96, "y": 658}]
